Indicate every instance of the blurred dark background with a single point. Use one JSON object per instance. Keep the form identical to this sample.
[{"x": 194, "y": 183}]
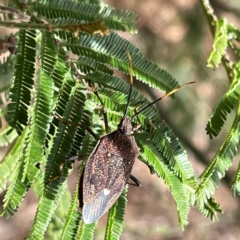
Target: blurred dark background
[{"x": 176, "y": 36}]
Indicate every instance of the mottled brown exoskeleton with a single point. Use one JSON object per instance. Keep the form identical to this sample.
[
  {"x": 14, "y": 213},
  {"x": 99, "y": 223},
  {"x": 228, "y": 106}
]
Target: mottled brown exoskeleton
[{"x": 110, "y": 164}]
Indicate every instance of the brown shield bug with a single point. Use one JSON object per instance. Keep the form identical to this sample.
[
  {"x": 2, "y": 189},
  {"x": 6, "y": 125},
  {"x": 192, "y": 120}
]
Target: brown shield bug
[{"x": 109, "y": 166}]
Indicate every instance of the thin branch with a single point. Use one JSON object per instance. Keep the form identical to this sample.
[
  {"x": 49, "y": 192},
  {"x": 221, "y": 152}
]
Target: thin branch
[{"x": 92, "y": 28}]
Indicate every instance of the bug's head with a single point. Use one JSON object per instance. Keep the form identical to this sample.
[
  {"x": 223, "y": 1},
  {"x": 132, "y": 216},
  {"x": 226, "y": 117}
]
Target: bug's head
[{"x": 125, "y": 126}]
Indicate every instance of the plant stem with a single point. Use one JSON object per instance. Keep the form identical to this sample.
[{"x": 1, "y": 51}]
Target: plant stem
[{"x": 92, "y": 28}]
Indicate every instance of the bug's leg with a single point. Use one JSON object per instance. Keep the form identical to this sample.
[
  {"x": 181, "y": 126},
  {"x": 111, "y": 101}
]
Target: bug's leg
[
  {"x": 79, "y": 124},
  {"x": 58, "y": 176},
  {"x": 105, "y": 119},
  {"x": 80, "y": 190},
  {"x": 136, "y": 183},
  {"x": 71, "y": 158},
  {"x": 135, "y": 111}
]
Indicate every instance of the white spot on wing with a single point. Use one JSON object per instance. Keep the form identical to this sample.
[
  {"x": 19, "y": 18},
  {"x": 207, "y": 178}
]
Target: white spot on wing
[{"x": 106, "y": 191}]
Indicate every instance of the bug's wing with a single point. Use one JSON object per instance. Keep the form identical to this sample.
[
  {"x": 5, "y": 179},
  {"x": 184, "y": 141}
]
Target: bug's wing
[
  {"x": 118, "y": 172},
  {"x": 94, "y": 179},
  {"x": 94, "y": 209},
  {"x": 106, "y": 174}
]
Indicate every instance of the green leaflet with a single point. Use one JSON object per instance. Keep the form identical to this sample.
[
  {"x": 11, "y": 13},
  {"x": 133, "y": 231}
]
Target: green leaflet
[
  {"x": 111, "y": 50},
  {"x": 220, "y": 44},
  {"x": 154, "y": 158},
  {"x": 78, "y": 12},
  {"x": 41, "y": 113},
  {"x": 86, "y": 231},
  {"x": 7, "y": 136},
  {"x": 54, "y": 175},
  {"x": 220, "y": 164},
  {"x": 8, "y": 164},
  {"x": 236, "y": 183},
  {"x": 32, "y": 151},
  {"x": 55, "y": 227},
  {"x": 116, "y": 217},
  {"x": 210, "y": 209},
  {"x": 73, "y": 218},
  {"x": 228, "y": 103},
  {"x": 20, "y": 92},
  {"x": 6, "y": 69},
  {"x": 164, "y": 138}
]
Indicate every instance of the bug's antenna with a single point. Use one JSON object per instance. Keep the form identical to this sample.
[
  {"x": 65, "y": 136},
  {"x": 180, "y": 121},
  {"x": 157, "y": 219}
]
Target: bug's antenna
[
  {"x": 166, "y": 95},
  {"x": 131, "y": 83}
]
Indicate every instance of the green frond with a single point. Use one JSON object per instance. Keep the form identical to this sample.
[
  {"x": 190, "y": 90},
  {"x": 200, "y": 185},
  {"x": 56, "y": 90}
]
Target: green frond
[
  {"x": 228, "y": 102},
  {"x": 56, "y": 224},
  {"x": 62, "y": 85},
  {"x": 41, "y": 113},
  {"x": 154, "y": 158},
  {"x": 172, "y": 150},
  {"x": 236, "y": 183},
  {"x": 20, "y": 92},
  {"x": 46, "y": 207},
  {"x": 55, "y": 127},
  {"x": 112, "y": 50},
  {"x": 210, "y": 209},
  {"x": 48, "y": 53},
  {"x": 88, "y": 144},
  {"x": 234, "y": 32},
  {"x": 84, "y": 12},
  {"x": 38, "y": 126},
  {"x": 79, "y": 137},
  {"x": 220, "y": 163},
  {"x": 87, "y": 65},
  {"x": 6, "y": 72},
  {"x": 7, "y": 136},
  {"x": 16, "y": 191},
  {"x": 113, "y": 100},
  {"x": 219, "y": 45},
  {"x": 86, "y": 231},
  {"x": 60, "y": 72},
  {"x": 57, "y": 169},
  {"x": 64, "y": 136},
  {"x": 115, "y": 104},
  {"x": 118, "y": 92},
  {"x": 116, "y": 217},
  {"x": 73, "y": 217},
  {"x": 9, "y": 162},
  {"x": 62, "y": 95}
]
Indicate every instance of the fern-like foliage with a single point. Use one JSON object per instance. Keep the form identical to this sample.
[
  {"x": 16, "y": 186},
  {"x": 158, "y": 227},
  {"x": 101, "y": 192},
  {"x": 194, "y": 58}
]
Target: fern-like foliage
[
  {"x": 116, "y": 218},
  {"x": 104, "y": 50},
  {"x": 86, "y": 231},
  {"x": 220, "y": 44},
  {"x": 210, "y": 209},
  {"x": 7, "y": 165},
  {"x": 236, "y": 183},
  {"x": 64, "y": 54},
  {"x": 228, "y": 103},
  {"x": 219, "y": 165},
  {"x": 6, "y": 70},
  {"x": 225, "y": 35},
  {"x": 73, "y": 11},
  {"x": 23, "y": 81},
  {"x": 7, "y": 136},
  {"x": 158, "y": 163},
  {"x": 73, "y": 217}
]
